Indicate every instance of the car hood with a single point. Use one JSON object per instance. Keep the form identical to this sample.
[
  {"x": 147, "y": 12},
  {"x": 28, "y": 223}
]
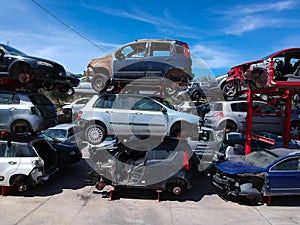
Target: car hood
[{"x": 237, "y": 165}]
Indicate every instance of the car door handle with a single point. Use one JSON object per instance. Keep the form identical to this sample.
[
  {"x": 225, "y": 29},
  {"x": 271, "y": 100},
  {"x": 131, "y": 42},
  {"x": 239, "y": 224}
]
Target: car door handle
[
  {"x": 108, "y": 112},
  {"x": 138, "y": 113},
  {"x": 12, "y": 163},
  {"x": 11, "y": 109}
]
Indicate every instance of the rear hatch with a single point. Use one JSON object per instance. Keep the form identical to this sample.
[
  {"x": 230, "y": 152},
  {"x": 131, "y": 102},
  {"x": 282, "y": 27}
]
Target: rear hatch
[
  {"x": 47, "y": 153},
  {"x": 44, "y": 105}
]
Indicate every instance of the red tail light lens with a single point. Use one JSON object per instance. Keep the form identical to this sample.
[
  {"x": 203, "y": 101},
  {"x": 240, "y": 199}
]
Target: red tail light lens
[
  {"x": 218, "y": 114},
  {"x": 186, "y": 50},
  {"x": 186, "y": 160},
  {"x": 79, "y": 115}
]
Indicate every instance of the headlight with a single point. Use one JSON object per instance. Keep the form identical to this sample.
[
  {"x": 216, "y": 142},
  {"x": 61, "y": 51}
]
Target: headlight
[{"x": 42, "y": 63}]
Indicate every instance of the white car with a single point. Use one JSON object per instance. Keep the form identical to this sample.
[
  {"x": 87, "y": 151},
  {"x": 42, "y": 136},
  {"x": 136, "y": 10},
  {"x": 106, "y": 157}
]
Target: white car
[
  {"x": 138, "y": 115},
  {"x": 70, "y": 109},
  {"x": 25, "y": 160}
]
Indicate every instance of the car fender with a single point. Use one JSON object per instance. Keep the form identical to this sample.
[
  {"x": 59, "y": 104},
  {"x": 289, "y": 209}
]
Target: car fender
[{"x": 31, "y": 63}]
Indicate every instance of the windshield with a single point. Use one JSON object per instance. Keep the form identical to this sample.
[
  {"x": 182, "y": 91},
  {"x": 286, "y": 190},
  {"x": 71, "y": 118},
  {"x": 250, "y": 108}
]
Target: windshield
[
  {"x": 261, "y": 158},
  {"x": 58, "y": 133},
  {"x": 13, "y": 51}
]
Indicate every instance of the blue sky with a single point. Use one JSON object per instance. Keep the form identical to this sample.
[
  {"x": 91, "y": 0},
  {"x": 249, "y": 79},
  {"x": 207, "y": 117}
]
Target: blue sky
[{"x": 220, "y": 33}]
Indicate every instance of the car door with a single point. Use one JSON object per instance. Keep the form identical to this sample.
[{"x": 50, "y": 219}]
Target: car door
[
  {"x": 239, "y": 112},
  {"x": 159, "y": 58},
  {"x": 149, "y": 117},
  {"x": 129, "y": 62},
  {"x": 284, "y": 177},
  {"x": 9, "y": 107},
  {"x": 8, "y": 162}
]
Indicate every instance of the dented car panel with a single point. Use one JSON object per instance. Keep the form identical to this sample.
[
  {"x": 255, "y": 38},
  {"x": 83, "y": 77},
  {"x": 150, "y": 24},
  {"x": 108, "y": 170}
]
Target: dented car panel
[
  {"x": 262, "y": 173},
  {"x": 266, "y": 71},
  {"x": 170, "y": 166}
]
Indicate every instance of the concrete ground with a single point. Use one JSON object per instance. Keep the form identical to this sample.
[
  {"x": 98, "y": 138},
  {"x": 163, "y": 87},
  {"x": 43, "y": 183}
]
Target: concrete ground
[{"x": 67, "y": 199}]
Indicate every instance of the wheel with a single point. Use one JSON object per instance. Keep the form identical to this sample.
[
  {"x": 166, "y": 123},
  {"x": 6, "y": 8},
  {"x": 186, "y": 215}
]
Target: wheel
[
  {"x": 67, "y": 90},
  {"x": 177, "y": 190},
  {"x": 23, "y": 74},
  {"x": 20, "y": 127},
  {"x": 100, "y": 82},
  {"x": 67, "y": 112},
  {"x": 295, "y": 128},
  {"x": 95, "y": 134},
  {"x": 229, "y": 90},
  {"x": 196, "y": 95}
]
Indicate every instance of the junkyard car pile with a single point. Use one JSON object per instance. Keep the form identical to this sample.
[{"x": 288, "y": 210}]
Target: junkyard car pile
[
  {"x": 134, "y": 133},
  {"x": 27, "y": 156}
]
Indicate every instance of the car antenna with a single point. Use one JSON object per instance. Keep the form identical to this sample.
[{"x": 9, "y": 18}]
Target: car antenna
[{"x": 68, "y": 26}]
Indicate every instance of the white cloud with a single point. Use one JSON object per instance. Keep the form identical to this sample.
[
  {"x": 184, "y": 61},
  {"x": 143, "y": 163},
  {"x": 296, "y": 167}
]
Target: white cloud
[
  {"x": 251, "y": 23},
  {"x": 165, "y": 22},
  {"x": 213, "y": 57},
  {"x": 251, "y": 17}
]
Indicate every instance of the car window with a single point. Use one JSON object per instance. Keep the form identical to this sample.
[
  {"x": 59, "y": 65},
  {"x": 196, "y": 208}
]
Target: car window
[
  {"x": 8, "y": 99},
  {"x": 147, "y": 104},
  {"x": 288, "y": 165},
  {"x": 217, "y": 107},
  {"x": 268, "y": 109},
  {"x": 136, "y": 50},
  {"x": 239, "y": 107},
  {"x": 160, "y": 49},
  {"x": 106, "y": 101},
  {"x": 23, "y": 150}
]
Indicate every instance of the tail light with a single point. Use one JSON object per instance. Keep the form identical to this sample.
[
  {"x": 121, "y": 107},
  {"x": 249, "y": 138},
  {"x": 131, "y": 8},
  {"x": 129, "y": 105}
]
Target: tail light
[
  {"x": 218, "y": 114},
  {"x": 79, "y": 115},
  {"x": 186, "y": 50},
  {"x": 186, "y": 160}
]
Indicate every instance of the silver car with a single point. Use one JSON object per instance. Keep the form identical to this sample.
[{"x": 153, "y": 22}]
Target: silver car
[
  {"x": 231, "y": 115},
  {"x": 22, "y": 112},
  {"x": 133, "y": 115}
]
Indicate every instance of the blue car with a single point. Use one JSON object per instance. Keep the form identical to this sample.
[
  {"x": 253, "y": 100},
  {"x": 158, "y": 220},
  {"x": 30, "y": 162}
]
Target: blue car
[{"x": 271, "y": 172}]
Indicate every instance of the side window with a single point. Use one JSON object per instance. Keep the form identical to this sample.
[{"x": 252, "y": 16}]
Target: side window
[
  {"x": 105, "y": 102},
  {"x": 82, "y": 101},
  {"x": 24, "y": 151},
  {"x": 288, "y": 165},
  {"x": 234, "y": 107},
  {"x": 7, "y": 99},
  {"x": 136, "y": 50},
  {"x": 160, "y": 49},
  {"x": 147, "y": 104}
]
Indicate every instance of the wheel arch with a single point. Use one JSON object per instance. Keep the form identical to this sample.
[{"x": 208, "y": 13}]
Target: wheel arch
[{"x": 21, "y": 120}]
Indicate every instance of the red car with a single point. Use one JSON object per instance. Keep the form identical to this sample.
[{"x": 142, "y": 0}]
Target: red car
[{"x": 264, "y": 72}]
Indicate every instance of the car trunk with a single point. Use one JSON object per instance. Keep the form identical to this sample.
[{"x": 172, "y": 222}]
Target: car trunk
[
  {"x": 44, "y": 105},
  {"x": 48, "y": 154}
]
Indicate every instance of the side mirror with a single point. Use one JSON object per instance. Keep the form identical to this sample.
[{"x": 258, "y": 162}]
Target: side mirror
[{"x": 164, "y": 110}]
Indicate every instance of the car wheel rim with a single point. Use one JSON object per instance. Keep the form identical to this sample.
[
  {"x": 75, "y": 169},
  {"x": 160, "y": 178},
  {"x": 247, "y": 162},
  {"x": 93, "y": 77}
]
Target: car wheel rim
[
  {"x": 95, "y": 135},
  {"x": 294, "y": 131},
  {"x": 230, "y": 90}
]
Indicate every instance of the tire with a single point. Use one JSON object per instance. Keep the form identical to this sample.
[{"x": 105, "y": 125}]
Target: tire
[
  {"x": 20, "y": 127},
  {"x": 100, "y": 82},
  {"x": 229, "y": 90},
  {"x": 295, "y": 128},
  {"x": 67, "y": 112},
  {"x": 196, "y": 95},
  {"x": 95, "y": 134}
]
